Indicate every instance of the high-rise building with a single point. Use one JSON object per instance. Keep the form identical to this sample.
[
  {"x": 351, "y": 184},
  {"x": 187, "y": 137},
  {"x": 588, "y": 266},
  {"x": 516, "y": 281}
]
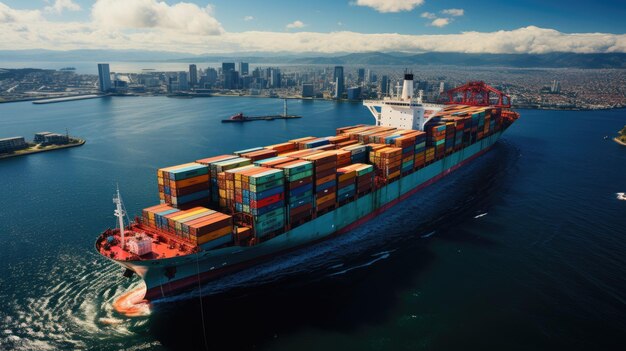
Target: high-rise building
[
  {"x": 384, "y": 85},
  {"x": 339, "y": 82},
  {"x": 243, "y": 68},
  {"x": 183, "y": 83},
  {"x": 556, "y": 87},
  {"x": 275, "y": 78},
  {"x": 104, "y": 77},
  {"x": 307, "y": 90},
  {"x": 193, "y": 75},
  {"x": 442, "y": 87},
  {"x": 361, "y": 75},
  {"x": 211, "y": 75},
  {"x": 354, "y": 93},
  {"x": 228, "y": 66},
  {"x": 231, "y": 79}
]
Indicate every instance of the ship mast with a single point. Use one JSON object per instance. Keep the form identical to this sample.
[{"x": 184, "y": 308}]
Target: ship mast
[{"x": 119, "y": 213}]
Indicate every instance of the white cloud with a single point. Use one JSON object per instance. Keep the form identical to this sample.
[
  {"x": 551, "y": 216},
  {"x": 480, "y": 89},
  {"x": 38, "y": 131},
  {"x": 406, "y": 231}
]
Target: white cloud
[
  {"x": 27, "y": 29},
  {"x": 453, "y": 12},
  {"x": 390, "y": 5},
  {"x": 9, "y": 15},
  {"x": 60, "y": 5},
  {"x": 248, "y": 18},
  {"x": 152, "y": 14},
  {"x": 428, "y": 15},
  {"x": 440, "y": 22},
  {"x": 296, "y": 24}
]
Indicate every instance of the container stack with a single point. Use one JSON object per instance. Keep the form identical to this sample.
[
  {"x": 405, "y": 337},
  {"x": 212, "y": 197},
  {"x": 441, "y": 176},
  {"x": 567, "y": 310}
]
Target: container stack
[
  {"x": 198, "y": 225},
  {"x": 259, "y": 192},
  {"x": 436, "y": 137},
  {"x": 283, "y": 147},
  {"x": 325, "y": 176},
  {"x": 358, "y": 153},
  {"x": 388, "y": 162},
  {"x": 364, "y": 178},
  {"x": 211, "y": 231},
  {"x": 222, "y": 166},
  {"x": 213, "y": 173},
  {"x": 344, "y": 158},
  {"x": 450, "y": 136},
  {"x": 300, "y": 141},
  {"x": 420, "y": 149},
  {"x": 260, "y": 154},
  {"x": 184, "y": 185},
  {"x": 407, "y": 144},
  {"x": 346, "y": 184},
  {"x": 299, "y": 190},
  {"x": 153, "y": 216},
  {"x": 267, "y": 199},
  {"x": 313, "y": 143}
]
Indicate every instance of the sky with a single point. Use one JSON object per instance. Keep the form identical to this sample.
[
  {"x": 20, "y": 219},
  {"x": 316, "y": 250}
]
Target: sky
[{"x": 323, "y": 26}]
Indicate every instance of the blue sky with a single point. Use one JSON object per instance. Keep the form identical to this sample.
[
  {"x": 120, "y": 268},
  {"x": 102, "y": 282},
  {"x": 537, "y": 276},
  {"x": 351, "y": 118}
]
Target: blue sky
[
  {"x": 606, "y": 16},
  {"x": 230, "y": 25}
]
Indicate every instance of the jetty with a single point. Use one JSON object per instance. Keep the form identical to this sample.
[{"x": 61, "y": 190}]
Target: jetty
[{"x": 241, "y": 118}]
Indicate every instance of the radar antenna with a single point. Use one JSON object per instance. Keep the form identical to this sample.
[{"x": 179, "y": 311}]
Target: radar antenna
[{"x": 119, "y": 213}]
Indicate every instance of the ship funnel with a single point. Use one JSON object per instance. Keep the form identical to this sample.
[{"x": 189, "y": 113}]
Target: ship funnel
[{"x": 407, "y": 87}]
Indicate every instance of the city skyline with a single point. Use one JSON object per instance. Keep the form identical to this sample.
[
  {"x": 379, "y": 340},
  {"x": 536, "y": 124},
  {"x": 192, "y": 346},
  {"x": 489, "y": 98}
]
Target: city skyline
[{"x": 526, "y": 26}]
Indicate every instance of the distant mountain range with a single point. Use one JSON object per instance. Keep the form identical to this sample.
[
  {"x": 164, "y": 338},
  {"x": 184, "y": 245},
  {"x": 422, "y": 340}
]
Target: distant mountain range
[{"x": 552, "y": 60}]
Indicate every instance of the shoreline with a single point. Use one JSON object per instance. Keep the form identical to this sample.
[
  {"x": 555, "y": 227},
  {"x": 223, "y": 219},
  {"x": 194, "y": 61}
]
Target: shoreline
[
  {"x": 25, "y": 152},
  {"x": 209, "y": 95},
  {"x": 619, "y": 141}
]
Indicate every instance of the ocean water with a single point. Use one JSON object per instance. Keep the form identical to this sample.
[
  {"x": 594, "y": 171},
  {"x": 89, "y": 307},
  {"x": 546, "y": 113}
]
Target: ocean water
[{"x": 525, "y": 248}]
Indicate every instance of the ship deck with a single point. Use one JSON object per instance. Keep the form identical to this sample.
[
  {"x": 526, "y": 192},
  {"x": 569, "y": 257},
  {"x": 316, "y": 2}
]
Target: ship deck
[{"x": 164, "y": 248}]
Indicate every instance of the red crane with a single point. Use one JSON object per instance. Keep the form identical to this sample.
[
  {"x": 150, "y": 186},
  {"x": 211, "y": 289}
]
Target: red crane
[{"x": 477, "y": 93}]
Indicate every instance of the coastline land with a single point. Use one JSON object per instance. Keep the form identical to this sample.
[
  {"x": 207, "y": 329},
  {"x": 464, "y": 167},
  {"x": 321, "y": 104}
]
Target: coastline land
[{"x": 37, "y": 148}]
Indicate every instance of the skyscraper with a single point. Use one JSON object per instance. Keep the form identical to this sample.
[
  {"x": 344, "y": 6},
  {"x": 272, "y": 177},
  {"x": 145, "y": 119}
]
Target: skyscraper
[
  {"x": 275, "y": 78},
  {"x": 228, "y": 66},
  {"x": 104, "y": 77},
  {"x": 384, "y": 85},
  {"x": 193, "y": 75},
  {"x": 361, "y": 73},
  {"x": 339, "y": 82},
  {"x": 183, "y": 84},
  {"x": 243, "y": 68}
]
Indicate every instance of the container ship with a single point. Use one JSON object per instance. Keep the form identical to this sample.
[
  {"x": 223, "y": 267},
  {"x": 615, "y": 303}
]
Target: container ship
[{"x": 224, "y": 213}]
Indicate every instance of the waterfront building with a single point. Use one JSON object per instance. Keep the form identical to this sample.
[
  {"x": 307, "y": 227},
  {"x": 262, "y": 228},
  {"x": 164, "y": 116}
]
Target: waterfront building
[
  {"x": 193, "y": 75},
  {"x": 104, "y": 77},
  {"x": 354, "y": 93},
  {"x": 183, "y": 83},
  {"x": 231, "y": 79},
  {"x": 12, "y": 144},
  {"x": 307, "y": 90}
]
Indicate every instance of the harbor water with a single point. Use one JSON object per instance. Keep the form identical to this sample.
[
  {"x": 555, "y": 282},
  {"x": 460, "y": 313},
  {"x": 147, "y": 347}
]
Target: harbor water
[{"x": 525, "y": 248}]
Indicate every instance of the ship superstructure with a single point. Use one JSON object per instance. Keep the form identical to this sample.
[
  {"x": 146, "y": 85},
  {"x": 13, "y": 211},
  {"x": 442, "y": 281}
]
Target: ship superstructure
[{"x": 220, "y": 214}]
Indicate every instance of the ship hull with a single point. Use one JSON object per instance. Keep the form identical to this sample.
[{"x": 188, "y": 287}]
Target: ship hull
[{"x": 165, "y": 277}]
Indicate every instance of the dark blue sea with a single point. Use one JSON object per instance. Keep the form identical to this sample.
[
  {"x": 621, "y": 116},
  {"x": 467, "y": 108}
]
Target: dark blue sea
[{"x": 524, "y": 249}]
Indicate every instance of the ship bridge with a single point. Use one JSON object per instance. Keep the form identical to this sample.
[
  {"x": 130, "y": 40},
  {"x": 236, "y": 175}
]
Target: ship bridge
[{"x": 403, "y": 110}]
